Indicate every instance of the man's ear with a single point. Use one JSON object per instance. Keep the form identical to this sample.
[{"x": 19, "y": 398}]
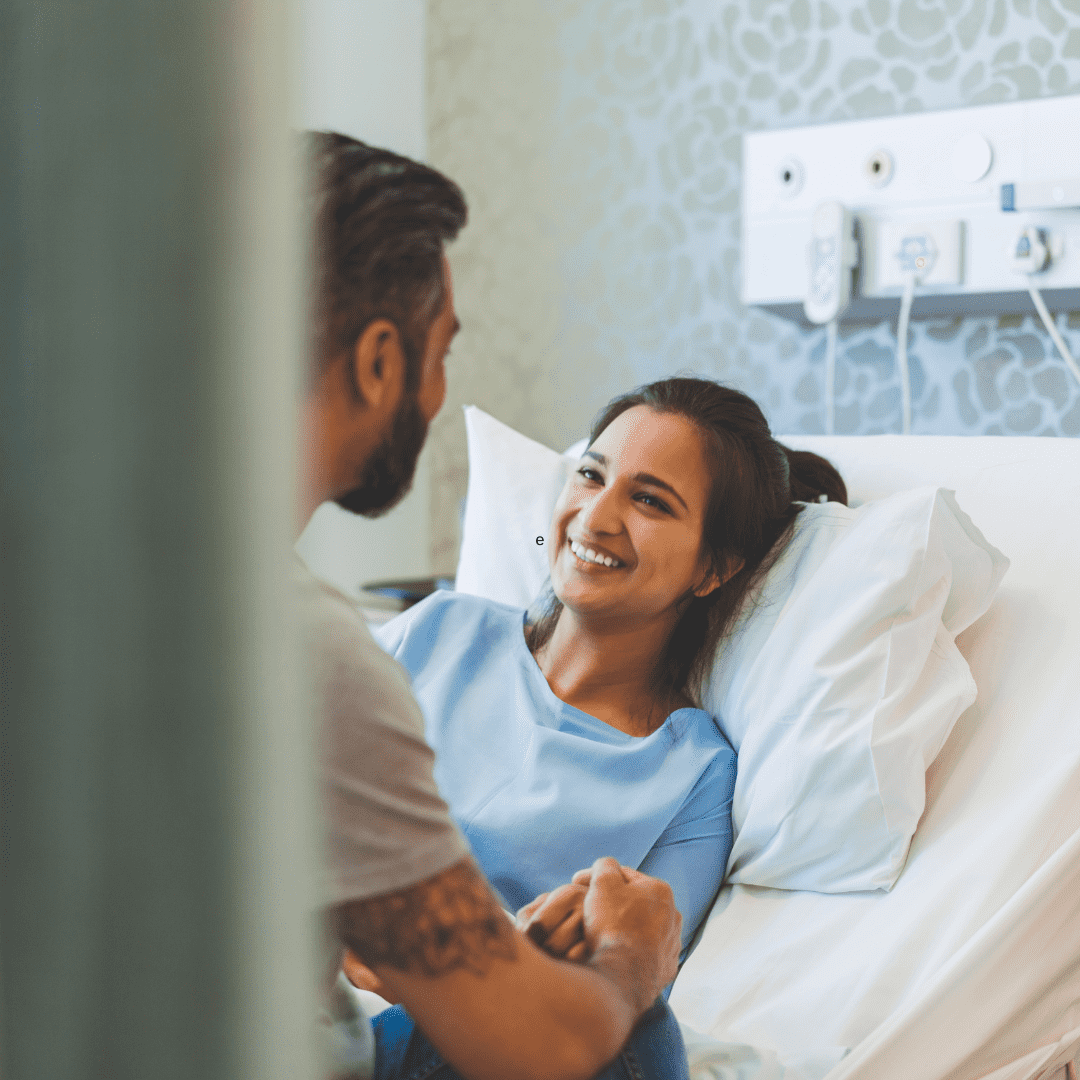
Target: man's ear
[{"x": 377, "y": 364}]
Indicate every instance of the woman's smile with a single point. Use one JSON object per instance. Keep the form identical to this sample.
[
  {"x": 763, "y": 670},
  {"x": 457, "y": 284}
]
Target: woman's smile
[{"x": 593, "y": 556}]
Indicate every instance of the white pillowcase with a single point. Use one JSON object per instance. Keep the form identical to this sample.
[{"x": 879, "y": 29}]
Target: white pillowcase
[
  {"x": 513, "y": 485},
  {"x": 840, "y": 682}
]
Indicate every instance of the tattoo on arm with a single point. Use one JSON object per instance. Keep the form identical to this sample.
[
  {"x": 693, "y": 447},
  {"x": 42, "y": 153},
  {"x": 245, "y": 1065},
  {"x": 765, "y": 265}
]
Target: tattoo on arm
[{"x": 449, "y": 921}]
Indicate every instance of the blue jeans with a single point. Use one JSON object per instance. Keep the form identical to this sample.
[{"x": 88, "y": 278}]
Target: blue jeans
[{"x": 654, "y": 1050}]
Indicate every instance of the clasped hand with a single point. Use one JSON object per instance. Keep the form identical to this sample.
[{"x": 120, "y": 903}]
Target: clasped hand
[
  {"x": 604, "y": 901},
  {"x": 555, "y": 920}
]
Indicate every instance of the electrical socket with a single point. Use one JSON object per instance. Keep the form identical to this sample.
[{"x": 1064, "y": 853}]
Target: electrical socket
[
  {"x": 1035, "y": 249},
  {"x": 1031, "y": 252},
  {"x": 943, "y": 239}
]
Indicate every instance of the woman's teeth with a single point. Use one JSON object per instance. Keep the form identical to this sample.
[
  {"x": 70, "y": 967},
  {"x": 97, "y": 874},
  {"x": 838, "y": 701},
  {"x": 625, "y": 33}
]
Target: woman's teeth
[{"x": 588, "y": 555}]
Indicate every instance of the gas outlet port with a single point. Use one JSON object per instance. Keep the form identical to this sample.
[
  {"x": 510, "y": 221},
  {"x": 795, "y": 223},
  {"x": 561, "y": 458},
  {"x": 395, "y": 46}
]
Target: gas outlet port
[
  {"x": 789, "y": 177},
  {"x": 879, "y": 168}
]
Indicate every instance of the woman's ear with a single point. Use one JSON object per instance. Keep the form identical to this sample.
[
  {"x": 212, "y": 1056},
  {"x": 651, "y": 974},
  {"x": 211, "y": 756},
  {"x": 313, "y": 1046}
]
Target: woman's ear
[
  {"x": 709, "y": 585},
  {"x": 733, "y": 565},
  {"x": 711, "y": 582}
]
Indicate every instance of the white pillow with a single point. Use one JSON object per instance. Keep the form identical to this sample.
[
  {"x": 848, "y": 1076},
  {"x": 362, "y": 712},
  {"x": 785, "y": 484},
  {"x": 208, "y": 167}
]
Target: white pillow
[
  {"x": 840, "y": 682},
  {"x": 513, "y": 485}
]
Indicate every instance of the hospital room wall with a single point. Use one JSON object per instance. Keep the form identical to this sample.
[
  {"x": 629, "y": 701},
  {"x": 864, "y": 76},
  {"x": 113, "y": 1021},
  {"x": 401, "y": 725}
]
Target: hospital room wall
[
  {"x": 361, "y": 72},
  {"x": 599, "y": 146}
]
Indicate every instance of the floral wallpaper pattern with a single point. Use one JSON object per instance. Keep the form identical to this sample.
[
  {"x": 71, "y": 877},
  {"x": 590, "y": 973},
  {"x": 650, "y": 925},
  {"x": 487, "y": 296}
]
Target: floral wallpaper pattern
[{"x": 598, "y": 142}]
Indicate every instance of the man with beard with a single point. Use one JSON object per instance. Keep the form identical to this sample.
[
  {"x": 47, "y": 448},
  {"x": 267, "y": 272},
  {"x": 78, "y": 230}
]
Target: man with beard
[{"x": 418, "y": 920}]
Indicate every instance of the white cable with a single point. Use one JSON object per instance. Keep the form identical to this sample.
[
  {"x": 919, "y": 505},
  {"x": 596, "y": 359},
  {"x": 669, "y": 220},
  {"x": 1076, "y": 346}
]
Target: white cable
[
  {"x": 1051, "y": 326},
  {"x": 830, "y": 375},
  {"x": 901, "y": 351}
]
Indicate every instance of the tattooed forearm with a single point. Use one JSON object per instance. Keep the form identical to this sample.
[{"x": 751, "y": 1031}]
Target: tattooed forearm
[{"x": 447, "y": 922}]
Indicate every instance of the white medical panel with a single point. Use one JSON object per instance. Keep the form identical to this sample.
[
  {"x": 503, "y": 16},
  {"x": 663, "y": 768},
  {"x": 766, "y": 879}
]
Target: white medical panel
[{"x": 935, "y": 178}]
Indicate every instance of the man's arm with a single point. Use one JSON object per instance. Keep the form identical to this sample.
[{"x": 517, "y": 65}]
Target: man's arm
[
  {"x": 493, "y": 1003},
  {"x": 448, "y": 922}
]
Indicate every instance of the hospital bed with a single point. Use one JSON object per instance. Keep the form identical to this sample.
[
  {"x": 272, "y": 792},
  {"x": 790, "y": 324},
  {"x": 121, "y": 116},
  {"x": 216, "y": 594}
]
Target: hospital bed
[{"x": 969, "y": 966}]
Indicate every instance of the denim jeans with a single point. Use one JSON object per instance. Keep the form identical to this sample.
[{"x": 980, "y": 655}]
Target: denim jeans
[{"x": 654, "y": 1050}]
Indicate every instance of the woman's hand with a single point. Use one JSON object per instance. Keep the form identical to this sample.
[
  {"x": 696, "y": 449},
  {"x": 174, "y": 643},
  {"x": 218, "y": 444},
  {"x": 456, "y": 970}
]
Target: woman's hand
[
  {"x": 555, "y": 922},
  {"x": 363, "y": 978},
  {"x": 584, "y": 877}
]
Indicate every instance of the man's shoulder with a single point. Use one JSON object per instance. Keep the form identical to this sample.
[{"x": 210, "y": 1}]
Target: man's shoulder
[
  {"x": 317, "y": 593},
  {"x": 353, "y": 672},
  {"x": 326, "y": 613}
]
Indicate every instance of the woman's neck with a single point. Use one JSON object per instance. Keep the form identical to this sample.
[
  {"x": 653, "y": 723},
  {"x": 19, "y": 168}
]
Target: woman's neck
[{"x": 607, "y": 669}]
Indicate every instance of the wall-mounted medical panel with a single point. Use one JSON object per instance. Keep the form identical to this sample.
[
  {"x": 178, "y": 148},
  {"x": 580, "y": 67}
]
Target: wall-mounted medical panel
[{"x": 988, "y": 193}]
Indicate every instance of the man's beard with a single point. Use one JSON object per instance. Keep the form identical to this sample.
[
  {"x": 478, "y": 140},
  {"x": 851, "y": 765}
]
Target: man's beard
[{"x": 388, "y": 473}]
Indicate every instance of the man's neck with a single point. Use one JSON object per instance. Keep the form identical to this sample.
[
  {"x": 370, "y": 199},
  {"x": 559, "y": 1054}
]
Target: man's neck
[{"x": 314, "y": 458}]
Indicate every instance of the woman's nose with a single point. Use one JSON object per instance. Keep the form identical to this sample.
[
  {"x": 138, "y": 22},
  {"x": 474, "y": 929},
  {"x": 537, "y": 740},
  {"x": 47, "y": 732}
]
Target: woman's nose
[{"x": 602, "y": 514}]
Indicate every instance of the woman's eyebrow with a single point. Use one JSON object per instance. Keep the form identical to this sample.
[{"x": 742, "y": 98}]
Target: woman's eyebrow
[
  {"x": 642, "y": 478},
  {"x": 655, "y": 481}
]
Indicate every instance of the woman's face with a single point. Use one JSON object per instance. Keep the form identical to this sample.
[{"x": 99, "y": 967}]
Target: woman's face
[{"x": 627, "y": 529}]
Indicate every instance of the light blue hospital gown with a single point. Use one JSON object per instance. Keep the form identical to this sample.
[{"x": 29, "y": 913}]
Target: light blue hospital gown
[{"x": 541, "y": 789}]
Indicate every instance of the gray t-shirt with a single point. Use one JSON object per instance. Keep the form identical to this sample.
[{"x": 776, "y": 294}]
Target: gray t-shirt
[{"x": 387, "y": 825}]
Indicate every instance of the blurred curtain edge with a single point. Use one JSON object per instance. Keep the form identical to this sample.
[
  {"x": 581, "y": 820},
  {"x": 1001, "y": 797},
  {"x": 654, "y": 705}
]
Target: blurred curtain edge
[{"x": 157, "y": 819}]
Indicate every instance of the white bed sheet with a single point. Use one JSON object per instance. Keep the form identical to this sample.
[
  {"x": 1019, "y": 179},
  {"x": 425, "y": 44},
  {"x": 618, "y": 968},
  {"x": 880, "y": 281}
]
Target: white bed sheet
[{"x": 971, "y": 964}]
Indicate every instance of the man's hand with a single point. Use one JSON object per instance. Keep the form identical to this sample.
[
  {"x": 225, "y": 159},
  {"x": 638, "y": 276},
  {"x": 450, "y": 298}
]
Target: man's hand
[
  {"x": 631, "y": 926},
  {"x": 607, "y": 913},
  {"x": 607, "y": 904}
]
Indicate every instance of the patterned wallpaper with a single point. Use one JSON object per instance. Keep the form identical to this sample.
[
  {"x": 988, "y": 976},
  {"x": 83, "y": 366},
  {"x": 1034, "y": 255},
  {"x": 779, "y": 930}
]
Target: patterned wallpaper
[{"x": 598, "y": 142}]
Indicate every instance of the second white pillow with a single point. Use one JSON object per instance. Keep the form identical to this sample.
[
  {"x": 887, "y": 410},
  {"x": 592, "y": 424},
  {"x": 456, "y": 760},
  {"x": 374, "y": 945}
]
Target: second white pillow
[{"x": 841, "y": 682}]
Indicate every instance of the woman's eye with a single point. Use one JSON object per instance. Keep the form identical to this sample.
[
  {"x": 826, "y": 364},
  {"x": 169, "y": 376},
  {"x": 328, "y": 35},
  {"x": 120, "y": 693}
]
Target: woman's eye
[
  {"x": 589, "y": 474},
  {"x": 652, "y": 500}
]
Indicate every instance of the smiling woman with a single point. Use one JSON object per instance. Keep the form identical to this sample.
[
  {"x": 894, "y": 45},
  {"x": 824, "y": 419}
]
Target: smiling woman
[
  {"x": 576, "y": 734},
  {"x": 627, "y": 558},
  {"x": 683, "y": 485}
]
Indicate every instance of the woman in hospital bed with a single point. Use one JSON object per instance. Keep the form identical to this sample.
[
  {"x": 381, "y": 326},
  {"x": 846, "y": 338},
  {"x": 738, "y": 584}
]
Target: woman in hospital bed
[{"x": 571, "y": 731}]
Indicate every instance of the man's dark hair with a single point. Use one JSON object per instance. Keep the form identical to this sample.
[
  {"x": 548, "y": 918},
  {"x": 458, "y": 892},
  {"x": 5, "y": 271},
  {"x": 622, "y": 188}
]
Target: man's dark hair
[{"x": 380, "y": 221}]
